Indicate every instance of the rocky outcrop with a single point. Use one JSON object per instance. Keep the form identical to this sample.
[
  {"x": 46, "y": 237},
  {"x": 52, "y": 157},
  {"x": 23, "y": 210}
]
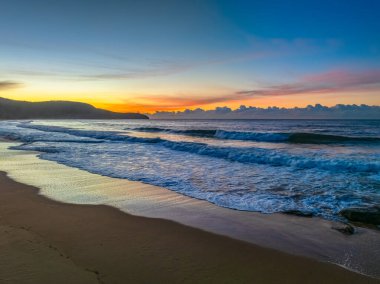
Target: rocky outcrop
[
  {"x": 299, "y": 213},
  {"x": 346, "y": 229},
  {"x": 363, "y": 215}
]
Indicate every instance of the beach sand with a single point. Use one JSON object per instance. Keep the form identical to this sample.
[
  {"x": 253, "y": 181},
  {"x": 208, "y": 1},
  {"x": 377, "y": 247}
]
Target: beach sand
[{"x": 44, "y": 241}]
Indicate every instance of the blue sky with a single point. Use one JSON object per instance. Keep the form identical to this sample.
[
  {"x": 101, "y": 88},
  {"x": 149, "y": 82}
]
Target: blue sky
[{"x": 157, "y": 55}]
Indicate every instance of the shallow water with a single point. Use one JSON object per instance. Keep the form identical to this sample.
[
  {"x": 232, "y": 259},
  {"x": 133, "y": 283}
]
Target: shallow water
[{"x": 257, "y": 165}]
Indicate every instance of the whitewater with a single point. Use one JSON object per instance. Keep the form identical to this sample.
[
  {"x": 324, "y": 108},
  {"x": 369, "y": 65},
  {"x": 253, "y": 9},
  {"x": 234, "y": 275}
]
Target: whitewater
[{"x": 314, "y": 166}]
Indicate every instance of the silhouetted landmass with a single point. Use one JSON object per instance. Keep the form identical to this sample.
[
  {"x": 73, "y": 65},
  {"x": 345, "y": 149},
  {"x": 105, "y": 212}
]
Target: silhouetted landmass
[{"x": 11, "y": 109}]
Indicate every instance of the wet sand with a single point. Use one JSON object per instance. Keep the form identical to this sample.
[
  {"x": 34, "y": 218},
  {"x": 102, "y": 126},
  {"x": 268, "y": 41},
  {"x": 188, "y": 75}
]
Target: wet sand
[{"x": 43, "y": 241}]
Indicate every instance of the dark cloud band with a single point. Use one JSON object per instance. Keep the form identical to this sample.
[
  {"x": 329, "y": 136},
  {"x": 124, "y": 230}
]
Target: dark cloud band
[{"x": 4, "y": 85}]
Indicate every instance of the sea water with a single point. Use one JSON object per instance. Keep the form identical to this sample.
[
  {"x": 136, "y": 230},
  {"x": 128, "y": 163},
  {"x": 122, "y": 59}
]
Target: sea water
[{"x": 314, "y": 166}]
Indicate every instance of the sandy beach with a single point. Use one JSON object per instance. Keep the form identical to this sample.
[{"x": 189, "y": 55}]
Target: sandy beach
[{"x": 44, "y": 240}]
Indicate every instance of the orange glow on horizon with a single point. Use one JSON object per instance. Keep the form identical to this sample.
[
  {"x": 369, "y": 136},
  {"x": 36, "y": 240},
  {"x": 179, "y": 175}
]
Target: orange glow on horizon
[
  {"x": 291, "y": 101},
  {"x": 151, "y": 104}
]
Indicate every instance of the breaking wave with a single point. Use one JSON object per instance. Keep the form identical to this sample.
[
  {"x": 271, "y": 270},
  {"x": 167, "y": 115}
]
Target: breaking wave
[
  {"x": 251, "y": 155},
  {"x": 298, "y": 137}
]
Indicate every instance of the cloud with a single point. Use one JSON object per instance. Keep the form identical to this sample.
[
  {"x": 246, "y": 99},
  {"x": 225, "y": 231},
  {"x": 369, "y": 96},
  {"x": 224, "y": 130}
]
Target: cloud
[
  {"x": 184, "y": 101},
  {"x": 294, "y": 46},
  {"x": 151, "y": 103},
  {"x": 110, "y": 66},
  {"x": 102, "y": 65},
  {"x": 111, "y": 71},
  {"x": 324, "y": 83},
  {"x": 165, "y": 68},
  {"x": 328, "y": 82},
  {"x": 5, "y": 85},
  {"x": 149, "y": 69},
  {"x": 134, "y": 73},
  {"x": 248, "y": 112}
]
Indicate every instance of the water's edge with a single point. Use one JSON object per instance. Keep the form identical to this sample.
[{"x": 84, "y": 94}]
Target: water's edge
[
  {"x": 318, "y": 179},
  {"x": 303, "y": 236}
]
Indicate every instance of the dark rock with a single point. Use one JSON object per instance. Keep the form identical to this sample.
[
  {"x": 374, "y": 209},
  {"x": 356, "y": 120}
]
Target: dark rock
[
  {"x": 299, "y": 213},
  {"x": 369, "y": 215},
  {"x": 346, "y": 229}
]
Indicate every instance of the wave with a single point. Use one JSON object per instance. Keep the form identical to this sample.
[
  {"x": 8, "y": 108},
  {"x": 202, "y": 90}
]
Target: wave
[
  {"x": 326, "y": 138},
  {"x": 251, "y": 155},
  {"x": 299, "y": 137},
  {"x": 252, "y": 136},
  {"x": 188, "y": 132},
  {"x": 14, "y": 135}
]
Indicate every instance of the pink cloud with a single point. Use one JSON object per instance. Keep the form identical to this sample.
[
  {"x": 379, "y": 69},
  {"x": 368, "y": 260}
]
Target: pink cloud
[{"x": 329, "y": 82}]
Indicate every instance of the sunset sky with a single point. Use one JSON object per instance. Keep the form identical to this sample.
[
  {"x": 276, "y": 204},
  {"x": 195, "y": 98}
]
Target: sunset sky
[{"x": 170, "y": 55}]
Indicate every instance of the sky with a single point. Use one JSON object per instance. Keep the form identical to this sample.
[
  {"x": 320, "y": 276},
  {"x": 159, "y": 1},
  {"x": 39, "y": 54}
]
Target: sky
[{"x": 167, "y": 55}]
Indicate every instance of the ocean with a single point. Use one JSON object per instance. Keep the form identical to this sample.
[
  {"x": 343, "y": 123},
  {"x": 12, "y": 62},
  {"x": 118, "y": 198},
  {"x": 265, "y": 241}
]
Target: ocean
[{"x": 317, "y": 167}]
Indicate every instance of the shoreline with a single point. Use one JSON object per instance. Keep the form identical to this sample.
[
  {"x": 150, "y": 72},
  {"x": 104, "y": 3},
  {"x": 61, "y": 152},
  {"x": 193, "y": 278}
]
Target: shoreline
[
  {"x": 294, "y": 235},
  {"x": 310, "y": 237},
  {"x": 107, "y": 245}
]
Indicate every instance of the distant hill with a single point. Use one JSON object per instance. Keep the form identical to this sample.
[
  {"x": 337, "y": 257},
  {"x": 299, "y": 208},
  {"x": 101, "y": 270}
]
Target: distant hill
[{"x": 11, "y": 109}]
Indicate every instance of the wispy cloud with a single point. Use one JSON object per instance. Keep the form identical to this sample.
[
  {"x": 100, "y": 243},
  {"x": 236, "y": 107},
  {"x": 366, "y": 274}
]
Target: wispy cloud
[
  {"x": 182, "y": 100},
  {"x": 5, "y": 85},
  {"x": 135, "y": 73},
  {"x": 153, "y": 68},
  {"x": 294, "y": 46},
  {"x": 95, "y": 64},
  {"x": 101, "y": 65},
  {"x": 165, "y": 68},
  {"x": 111, "y": 73},
  {"x": 329, "y": 82}
]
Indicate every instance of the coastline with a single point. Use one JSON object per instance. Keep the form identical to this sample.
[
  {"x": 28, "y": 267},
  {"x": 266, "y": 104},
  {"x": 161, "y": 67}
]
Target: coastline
[
  {"x": 292, "y": 235},
  {"x": 106, "y": 245}
]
